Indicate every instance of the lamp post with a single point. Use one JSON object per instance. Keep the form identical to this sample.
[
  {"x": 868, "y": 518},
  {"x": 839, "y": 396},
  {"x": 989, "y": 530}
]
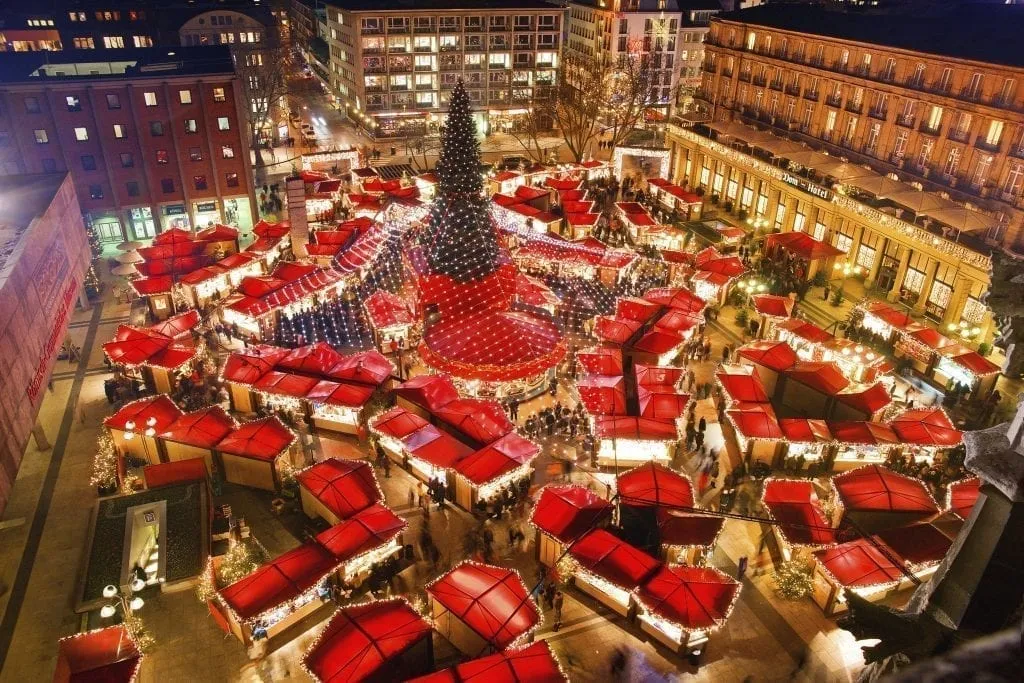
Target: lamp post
[
  {"x": 842, "y": 270},
  {"x": 751, "y": 286},
  {"x": 129, "y": 603},
  {"x": 965, "y": 330}
]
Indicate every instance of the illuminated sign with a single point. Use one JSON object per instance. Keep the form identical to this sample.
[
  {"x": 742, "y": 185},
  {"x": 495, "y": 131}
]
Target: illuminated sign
[{"x": 807, "y": 186}]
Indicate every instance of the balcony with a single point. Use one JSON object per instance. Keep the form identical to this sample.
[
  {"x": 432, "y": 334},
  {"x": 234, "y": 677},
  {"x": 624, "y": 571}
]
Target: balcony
[
  {"x": 374, "y": 106},
  {"x": 424, "y": 28},
  {"x": 375, "y": 88},
  {"x": 521, "y": 27},
  {"x": 397, "y": 49},
  {"x": 839, "y": 65},
  {"x": 793, "y": 90},
  {"x": 1017, "y": 150},
  {"x": 375, "y": 69},
  {"x": 372, "y": 30},
  {"x": 776, "y": 85},
  {"x": 726, "y": 73},
  {"x": 451, "y": 67},
  {"x": 863, "y": 70},
  {"x": 854, "y": 107},
  {"x": 928, "y": 129},
  {"x": 880, "y": 114},
  {"x": 398, "y": 29},
  {"x": 959, "y": 135},
  {"x": 984, "y": 145},
  {"x": 399, "y": 87},
  {"x": 970, "y": 94},
  {"x": 373, "y": 50},
  {"x": 818, "y": 62},
  {"x": 905, "y": 120},
  {"x": 474, "y": 28},
  {"x": 495, "y": 67},
  {"x": 474, "y": 67},
  {"x": 543, "y": 64},
  {"x": 502, "y": 45},
  {"x": 834, "y": 101},
  {"x": 760, "y": 81},
  {"x": 811, "y": 95},
  {"x": 745, "y": 76}
]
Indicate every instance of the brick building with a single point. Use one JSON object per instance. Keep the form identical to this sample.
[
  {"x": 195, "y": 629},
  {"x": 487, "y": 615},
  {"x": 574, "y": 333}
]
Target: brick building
[{"x": 153, "y": 138}]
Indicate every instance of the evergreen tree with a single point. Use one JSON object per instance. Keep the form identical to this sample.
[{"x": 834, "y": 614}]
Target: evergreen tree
[{"x": 460, "y": 240}]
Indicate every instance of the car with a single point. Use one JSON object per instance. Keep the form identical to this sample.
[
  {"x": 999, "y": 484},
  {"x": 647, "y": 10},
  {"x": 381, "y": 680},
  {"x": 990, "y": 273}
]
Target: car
[
  {"x": 309, "y": 137},
  {"x": 294, "y": 118}
]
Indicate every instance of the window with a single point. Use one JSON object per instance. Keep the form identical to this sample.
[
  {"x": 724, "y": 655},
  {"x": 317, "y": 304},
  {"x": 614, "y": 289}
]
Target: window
[
  {"x": 167, "y": 186},
  {"x": 900, "y": 146},
  {"x": 81, "y": 133},
  {"x": 844, "y": 58},
  {"x": 133, "y": 188},
  {"x": 218, "y": 95},
  {"x": 872, "y": 142},
  {"x": 1014, "y": 181},
  {"x": 963, "y": 124},
  {"x": 918, "y": 78},
  {"x": 952, "y": 163},
  {"x": 185, "y": 96},
  {"x": 84, "y": 43},
  {"x": 156, "y": 128},
  {"x": 231, "y": 179},
  {"x": 798, "y": 222},
  {"x": 88, "y": 162},
  {"x": 946, "y": 80},
  {"x": 223, "y": 123},
  {"x": 914, "y": 280},
  {"x": 935, "y": 118},
  {"x": 924, "y": 156},
  {"x": 149, "y": 98},
  {"x": 127, "y": 160},
  {"x": 31, "y": 105},
  {"x": 981, "y": 170},
  {"x": 866, "y": 257},
  {"x": 191, "y": 126},
  {"x": 199, "y": 181},
  {"x": 751, "y": 38},
  {"x": 974, "y": 89},
  {"x": 142, "y": 41},
  {"x": 74, "y": 104},
  {"x": 162, "y": 157},
  {"x": 113, "y": 41},
  {"x": 195, "y": 153},
  {"x": 227, "y": 151},
  {"x": 1006, "y": 92},
  {"x": 118, "y": 131},
  {"x": 890, "y": 69},
  {"x": 830, "y": 121},
  {"x": 96, "y": 192},
  {"x": 113, "y": 101},
  {"x": 49, "y": 165},
  {"x": 994, "y": 134}
]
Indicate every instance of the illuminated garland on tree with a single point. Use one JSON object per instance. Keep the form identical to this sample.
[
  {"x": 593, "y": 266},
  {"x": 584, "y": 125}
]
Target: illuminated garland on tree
[
  {"x": 104, "y": 463},
  {"x": 460, "y": 240}
]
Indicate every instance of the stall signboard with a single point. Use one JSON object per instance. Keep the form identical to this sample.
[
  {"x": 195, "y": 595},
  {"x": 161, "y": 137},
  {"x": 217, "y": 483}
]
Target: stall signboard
[{"x": 205, "y": 207}]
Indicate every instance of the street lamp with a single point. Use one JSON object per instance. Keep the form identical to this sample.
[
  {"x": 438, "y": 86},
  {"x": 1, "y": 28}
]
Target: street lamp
[
  {"x": 127, "y": 600},
  {"x": 842, "y": 270},
  {"x": 966, "y": 330},
  {"x": 751, "y": 286}
]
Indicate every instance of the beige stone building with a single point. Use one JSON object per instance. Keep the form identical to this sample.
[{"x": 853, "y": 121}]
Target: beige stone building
[{"x": 799, "y": 83}]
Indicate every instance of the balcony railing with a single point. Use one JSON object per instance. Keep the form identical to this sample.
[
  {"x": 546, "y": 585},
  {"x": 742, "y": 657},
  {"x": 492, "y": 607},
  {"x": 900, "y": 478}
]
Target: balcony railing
[
  {"x": 928, "y": 129},
  {"x": 985, "y": 145},
  {"x": 811, "y": 95},
  {"x": 776, "y": 85},
  {"x": 959, "y": 135},
  {"x": 793, "y": 90},
  {"x": 971, "y": 94},
  {"x": 854, "y": 107},
  {"x": 760, "y": 81},
  {"x": 905, "y": 120},
  {"x": 834, "y": 100},
  {"x": 745, "y": 76},
  {"x": 880, "y": 114},
  {"x": 726, "y": 73}
]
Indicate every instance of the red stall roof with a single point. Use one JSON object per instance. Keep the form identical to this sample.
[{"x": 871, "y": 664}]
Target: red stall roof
[
  {"x": 602, "y": 394},
  {"x": 655, "y": 484},
  {"x": 826, "y": 378},
  {"x": 755, "y": 421},
  {"x": 774, "y": 355},
  {"x": 917, "y": 544},
  {"x": 147, "y": 286},
  {"x": 897, "y": 319},
  {"x": 637, "y": 428},
  {"x": 615, "y": 329},
  {"x": 640, "y": 310},
  {"x": 360, "y": 642},
  {"x": 285, "y": 384},
  {"x": 858, "y": 563},
  {"x": 926, "y": 427},
  {"x": 314, "y": 359},
  {"x": 970, "y": 360},
  {"x": 437, "y": 448},
  {"x": 365, "y": 367},
  {"x": 176, "y": 472},
  {"x": 806, "y": 330},
  {"x": 384, "y": 309},
  {"x": 693, "y": 598},
  {"x": 794, "y": 504},
  {"x": 343, "y": 486},
  {"x": 340, "y": 394},
  {"x": 398, "y": 423},
  {"x": 878, "y": 489},
  {"x": 803, "y": 245},
  {"x": 532, "y": 664},
  {"x": 159, "y": 407},
  {"x": 675, "y": 320},
  {"x": 248, "y": 366},
  {"x": 962, "y": 496},
  {"x": 601, "y": 360},
  {"x": 106, "y": 655},
  {"x": 278, "y": 581},
  {"x": 217, "y": 233},
  {"x": 482, "y": 420},
  {"x": 867, "y": 433},
  {"x": 492, "y": 601},
  {"x": 928, "y": 336},
  {"x": 261, "y": 439},
  {"x": 867, "y": 399},
  {"x": 803, "y": 430},
  {"x": 430, "y": 391},
  {"x": 364, "y": 531},
  {"x": 177, "y": 325},
  {"x": 656, "y": 375},
  {"x": 773, "y": 305},
  {"x": 676, "y": 527},
  {"x": 742, "y": 383},
  {"x": 676, "y": 297},
  {"x": 612, "y": 559},
  {"x": 498, "y": 458},
  {"x": 658, "y": 341},
  {"x": 567, "y": 512},
  {"x": 727, "y": 266},
  {"x": 661, "y": 402},
  {"x": 203, "y": 428}
]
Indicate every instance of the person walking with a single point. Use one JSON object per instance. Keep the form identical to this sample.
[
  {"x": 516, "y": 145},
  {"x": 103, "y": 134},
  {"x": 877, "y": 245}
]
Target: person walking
[{"x": 557, "y": 603}]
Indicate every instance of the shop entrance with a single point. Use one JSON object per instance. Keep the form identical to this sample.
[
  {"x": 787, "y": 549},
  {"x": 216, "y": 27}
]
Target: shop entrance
[
  {"x": 207, "y": 213},
  {"x": 107, "y": 229},
  {"x": 145, "y": 539},
  {"x": 174, "y": 216},
  {"x": 887, "y": 273},
  {"x": 143, "y": 227}
]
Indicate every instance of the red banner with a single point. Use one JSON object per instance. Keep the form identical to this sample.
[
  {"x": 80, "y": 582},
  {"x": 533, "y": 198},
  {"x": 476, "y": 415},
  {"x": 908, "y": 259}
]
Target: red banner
[{"x": 50, "y": 346}]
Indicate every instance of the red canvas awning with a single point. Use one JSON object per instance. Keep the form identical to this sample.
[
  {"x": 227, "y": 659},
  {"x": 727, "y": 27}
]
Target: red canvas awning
[
  {"x": 635, "y": 428},
  {"x": 429, "y": 391},
  {"x": 203, "y": 428},
  {"x": 160, "y": 408},
  {"x": 340, "y": 394},
  {"x": 636, "y": 309},
  {"x": 176, "y": 472},
  {"x": 755, "y": 421},
  {"x": 858, "y": 563},
  {"x": 532, "y": 664},
  {"x": 825, "y": 378},
  {"x": 436, "y": 448},
  {"x": 727, "y": 266},
  {"x": 676, "y": 297},
  {"x": 278, "y": 581},
  {"x": 568, "y": 512},
  {"x": 806, "y": 330},
  {"x": 679, "y": 528},
  {"x": 774, "y": 355},
  {"x": 928, "y": 336},
  {"x": 655, "y": 484},
  {"x": 675, "y": 320},
  {"x": 398, "y": 423},
  {"x": 563, "y": 183},
  {"x": 218, "y": 233},
  {"x": 962, "y": 495},
  {"x": 876, "y": 488},
  {"x": 773, "y": 305},
  {"x": 492, "y": 601},
  {"x": 659, "y": 341},
  {"x": 612, "y": 559},
  {"x": 285, "y": 384},
  {"x": 742, "y": 383},
  {"x": 803, "y": 430},
  {"x": 248, "y": 366},
  {"x": 149, "y": 286},
  {"x": 867, "y": 399},
  {"x": 172, "y": 236},
  {"x": 972, "y": 361},
  {"x": 343, "y": 486},
  {"x": 656, "y": 375},
  {"x": 361, "y": 642},
  {"x": 106, "y": 655},
  {"x": 482, "y": 420},
  {"x": 926, "y": 427},
  {"x": 692, "y": 598},
  {"x": 364, "y": 531},
  {"x": 261, "y": 439},
  {"x": 615, "y": 329},
  {"x": 497, "y": 459},
  {"x": 601, "y": 360},
  {"x": 603, "y": 395},
  {"x": 794, "y": 505},
  {"x": 919, "y": 545},
  {"x": 661, "y": 402},
  {"x": 802, "y": 245},
  {"x": 892, "y": 317},
  {"x": 314, "y": 359},
  {"x": 177, "y": 325},
  {"x": 384, "y": 309},
  {"x": 866, "y": 433},
  {"x": 364, "y": 367}
]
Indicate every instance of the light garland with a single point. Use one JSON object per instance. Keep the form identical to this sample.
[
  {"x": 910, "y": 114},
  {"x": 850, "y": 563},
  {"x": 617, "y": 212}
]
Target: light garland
[
  {"x": 810, "y": 501},
  {"x": 128, "y": 635}
]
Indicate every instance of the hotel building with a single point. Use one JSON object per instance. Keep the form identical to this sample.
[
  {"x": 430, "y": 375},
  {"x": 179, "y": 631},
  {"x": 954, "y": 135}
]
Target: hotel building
[{"x": 869, "y": 89}]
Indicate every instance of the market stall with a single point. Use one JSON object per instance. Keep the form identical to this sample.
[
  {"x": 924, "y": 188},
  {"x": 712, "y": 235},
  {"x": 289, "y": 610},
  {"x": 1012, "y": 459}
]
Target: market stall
[
  {"x": 681, "y": 605},
  {"x": 481, "y": 608},
  {"x": 563, "y": 514},
  {"x": 686, "y": 537},
  {"x": 157, "y": 360},
  {"x": 771, "y": 310},
  {"x": 862, "y": 566},
  {"x": 278, "y": 595},
  {"x": 771, "y": 358},
  {"x": 337, "y": 489},
  {"x": 884, "y": 320},
  {"x": 256, "y": 452},
  {"x": 804, "y": 337},
  {"x": 382, "y": 640},
  {"x": 600, "y": 360},
  {"x": 393, "y": 425},
  {"x": 362, "y": 541},
  {"x": 654, "y": 485},
  {"x": 104, "y": 655},
  {"x": 876, "y": 498},
  {"x": 432, "y": 454},
  {"x": 800, "y": 520},
  {"x": 244, "y": 368},
  {"x": 962, "y": 495},
  {"x": 532, "y": 292},
  {"x": 756, "y": 430},
  {"x": 534, "y": 663},
  {"x": 390, "y": 318},
  {"x": 957, "y": 363},
  {"x": 195, "y": 435},
  {"x": 807, "y": 440},
  {"x": 860, "y": 443},
  {"x": 814, "y": 255},
  {"x": 608, "y": 569},
  {"x": 811, "y": 386},
  {"x": 625, "y": 440},
  {"x": 494, "y": 469}
]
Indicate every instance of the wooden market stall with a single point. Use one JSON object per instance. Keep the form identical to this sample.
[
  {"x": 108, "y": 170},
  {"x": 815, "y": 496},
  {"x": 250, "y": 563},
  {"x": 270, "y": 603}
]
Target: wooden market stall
[
  {"x": 608, "y": 569},
  {"x": 337, "y": 489},
  {"x": 491, "y": 471},
  {"x": 800, "y": 520},
  {"x": 563, "y": 514},
  {"x": 876, "y": 498},
  {"x": 107, "y": 655},
  {"x": 362, "y": 541},
  {"x": 771, "y": 310},
  {"x": 195, "y": 435},
  {"x": 390, "y": 318},
  {"x": 254, "y": 453},
  {"x": 135, "y": 425}
]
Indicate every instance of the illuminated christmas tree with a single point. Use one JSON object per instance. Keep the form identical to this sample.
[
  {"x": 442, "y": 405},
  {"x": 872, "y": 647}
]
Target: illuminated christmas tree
[{"x": 460, "y": 241}]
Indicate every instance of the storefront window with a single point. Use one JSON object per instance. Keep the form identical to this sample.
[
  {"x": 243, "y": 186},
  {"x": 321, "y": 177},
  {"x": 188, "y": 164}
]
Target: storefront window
[
  {"x": 174, "y": 216},
  {"x": 143, "y": 226},
  {"x": 938, "y": 299},
  {"x": 207, "y": 213},
  {"x": 798, "y": 222},
  {"x": 819, "y": 231},
  {"x": 914, "y": 281},
  {"x": 106, "y": 227},
  {"x": 974, "y": 310},
  {"x": 780, "y": 216},
  {"x": 866, "y": 257},
  {"x": 237, "y": 213}
]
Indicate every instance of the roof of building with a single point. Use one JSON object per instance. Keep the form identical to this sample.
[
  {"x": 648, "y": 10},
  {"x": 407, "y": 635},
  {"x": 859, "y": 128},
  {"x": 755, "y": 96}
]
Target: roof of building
[
  {"x": 654, "y": 5},
  {"x": 980, "y": 32},
  {"x": 22, "y": 199},
  {"x": 406, "y": 6},
  {"x": 133, "y": 63}
]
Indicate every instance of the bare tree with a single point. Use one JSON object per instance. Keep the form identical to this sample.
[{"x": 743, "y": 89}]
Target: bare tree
[
  {"x": 420, "y": 147},
  {"x": 582, "y": 83},
  {"x": 536, "y": 122},
  {"x": 629, "y": 96},
  {"x": 263, "y": 71}
]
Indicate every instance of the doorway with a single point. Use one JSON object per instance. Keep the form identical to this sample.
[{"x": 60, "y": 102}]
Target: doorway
[{"x": 145, "y": 542}]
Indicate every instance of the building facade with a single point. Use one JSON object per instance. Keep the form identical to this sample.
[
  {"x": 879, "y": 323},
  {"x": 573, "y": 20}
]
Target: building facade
[
  {"x": 43, "y": 259},
  {"x": 394, "y": 68},
  {"x": 952, "y": 123},
  {"x": 669, "y": 32},
  {"x": 152, "y": 139}
]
